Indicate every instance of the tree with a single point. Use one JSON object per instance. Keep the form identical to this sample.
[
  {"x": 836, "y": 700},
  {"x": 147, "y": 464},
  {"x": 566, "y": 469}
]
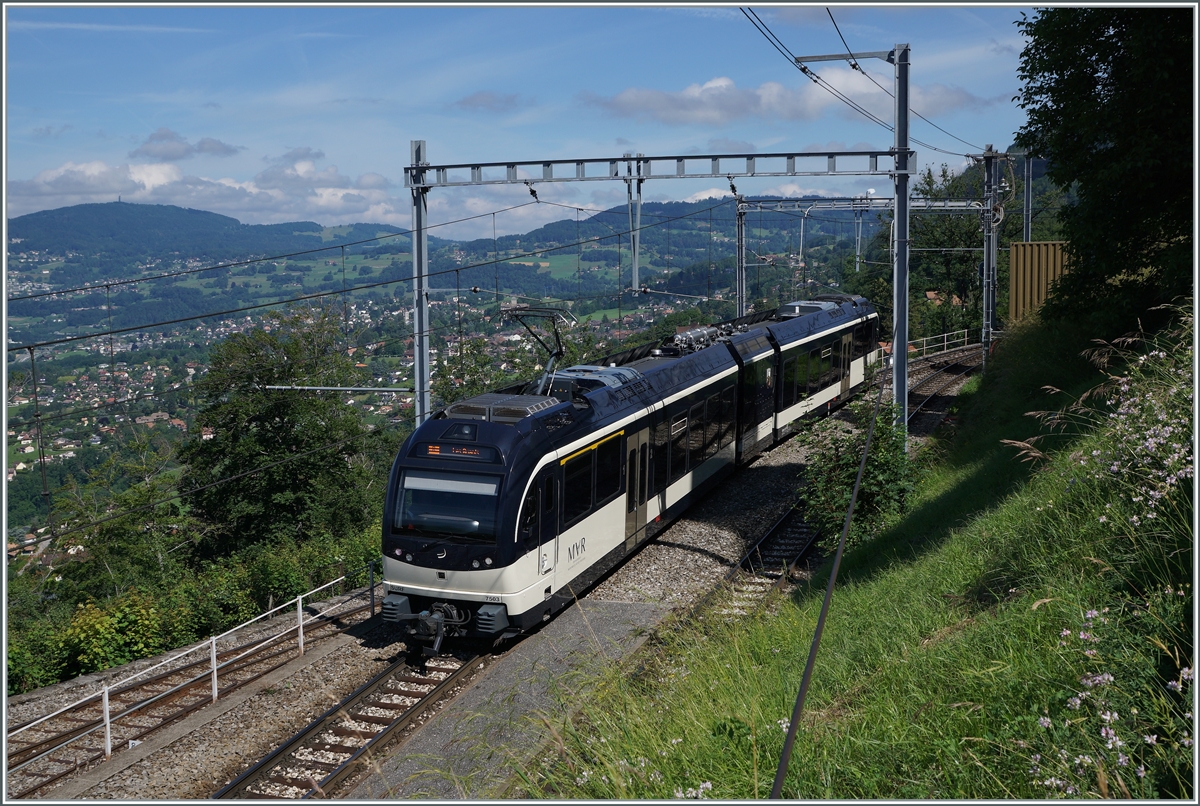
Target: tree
[
  {"x": 467, "y": 370},
  {"x": 307, "y": 449},
  {"x": 1109, "y": 95}
]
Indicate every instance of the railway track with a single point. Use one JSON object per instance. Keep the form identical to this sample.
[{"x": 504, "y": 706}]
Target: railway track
[
  {"x": 40, "y": 755},
  {"x": 937, "y": 375},
  {"x": 343, "y": 740},
  {"x": 768, "y": 563}
]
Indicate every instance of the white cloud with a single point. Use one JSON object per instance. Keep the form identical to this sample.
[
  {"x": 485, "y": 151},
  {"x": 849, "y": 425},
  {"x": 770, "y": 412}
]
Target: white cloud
[
  {"x": 792, "y": 190},
  {"x": 165, "y": 144},
  {"x": 715, "y": 102},
  {"x": 711, "y": 193},
  {"x": 720, "y": 101},
  {"x": 292, "y": 188}
]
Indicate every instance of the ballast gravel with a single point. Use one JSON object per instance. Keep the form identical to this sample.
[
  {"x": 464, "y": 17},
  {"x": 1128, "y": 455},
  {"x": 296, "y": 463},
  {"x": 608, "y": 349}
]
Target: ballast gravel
[{"x": 678, "y": 568}]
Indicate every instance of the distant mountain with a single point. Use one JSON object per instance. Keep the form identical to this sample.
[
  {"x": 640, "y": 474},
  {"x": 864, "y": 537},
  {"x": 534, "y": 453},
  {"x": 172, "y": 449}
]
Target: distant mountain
[{"x": 120, "y": 230}]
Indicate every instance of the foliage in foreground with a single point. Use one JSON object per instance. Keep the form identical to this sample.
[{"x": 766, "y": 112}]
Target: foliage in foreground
[
  {"x": 1106, "y": 105},
  {"x": 1019, "y": 640},
  {"x": 837, "y": 453},
  {"x": 165, "y": 548},
  {"x": 64, "y": 641}
]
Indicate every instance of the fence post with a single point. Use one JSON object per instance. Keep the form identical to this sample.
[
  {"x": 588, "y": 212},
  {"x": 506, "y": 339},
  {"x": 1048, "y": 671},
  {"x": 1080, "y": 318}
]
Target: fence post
[
  {"x": 300, "y": 621},
  {"x": 371, "y": 583},
  {"x": 212, "y": 642},
  {"x": 107, "y": 725}
]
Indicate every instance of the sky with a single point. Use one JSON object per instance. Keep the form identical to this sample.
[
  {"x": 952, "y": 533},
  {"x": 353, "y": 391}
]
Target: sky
[{"x": 306, "y": 113}]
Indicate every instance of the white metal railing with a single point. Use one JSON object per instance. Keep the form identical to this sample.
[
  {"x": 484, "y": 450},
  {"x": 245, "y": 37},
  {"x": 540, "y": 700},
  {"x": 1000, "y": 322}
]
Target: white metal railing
[
  {"x": 937, "y": 344},
  {"x": 211, "y": 644}
]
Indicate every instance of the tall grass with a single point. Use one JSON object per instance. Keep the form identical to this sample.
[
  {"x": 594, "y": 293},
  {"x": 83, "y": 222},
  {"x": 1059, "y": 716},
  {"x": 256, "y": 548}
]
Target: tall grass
[{"x": 1023, "y": 632}]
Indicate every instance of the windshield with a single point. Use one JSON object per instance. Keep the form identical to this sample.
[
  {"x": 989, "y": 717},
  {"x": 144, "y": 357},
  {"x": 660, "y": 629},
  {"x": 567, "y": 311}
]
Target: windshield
[{"x": 455, "y": 506}]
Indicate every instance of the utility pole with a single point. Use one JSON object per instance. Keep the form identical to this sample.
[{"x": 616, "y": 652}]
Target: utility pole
[
  {"x": 991, "y": 160},
  {"x": 635, "y": 215},
  {"x": 1028, "y": 231},
  {"x": 741, "y": 257},
  {"x": 420, "y": 245},
  {"x": 900, "y": 58}
]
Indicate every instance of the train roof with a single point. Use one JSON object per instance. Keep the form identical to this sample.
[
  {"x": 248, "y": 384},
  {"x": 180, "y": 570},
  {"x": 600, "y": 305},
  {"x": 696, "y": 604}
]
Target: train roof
[{"x": 645, "y": 374}]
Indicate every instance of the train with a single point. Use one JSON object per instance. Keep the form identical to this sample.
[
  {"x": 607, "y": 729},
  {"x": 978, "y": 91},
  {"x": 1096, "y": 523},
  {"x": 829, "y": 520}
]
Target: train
[{"x": 504, "y": 507}]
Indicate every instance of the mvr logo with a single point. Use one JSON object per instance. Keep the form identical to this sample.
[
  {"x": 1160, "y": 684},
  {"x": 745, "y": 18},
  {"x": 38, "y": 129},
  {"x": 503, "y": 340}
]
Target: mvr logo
[{"x": 576, "y": 551}]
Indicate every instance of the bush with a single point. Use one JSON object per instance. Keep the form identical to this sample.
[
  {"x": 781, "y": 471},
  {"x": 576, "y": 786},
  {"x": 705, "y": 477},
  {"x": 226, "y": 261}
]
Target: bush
[
  {"x": 837, "y": 450},
  {"x": 126, "y": 629}
]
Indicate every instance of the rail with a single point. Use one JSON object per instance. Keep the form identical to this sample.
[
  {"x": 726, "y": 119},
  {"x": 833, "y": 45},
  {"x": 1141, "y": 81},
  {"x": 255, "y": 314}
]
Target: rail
[
  {"x": 302, "y": 767},
  {"x": 210, "y": 644}
]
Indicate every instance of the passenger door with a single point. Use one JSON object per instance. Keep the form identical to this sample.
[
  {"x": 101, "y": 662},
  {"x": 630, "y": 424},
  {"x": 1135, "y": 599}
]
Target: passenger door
[
  {"x": 847, "y": 351},
  {"x": 637, "y": 477}
]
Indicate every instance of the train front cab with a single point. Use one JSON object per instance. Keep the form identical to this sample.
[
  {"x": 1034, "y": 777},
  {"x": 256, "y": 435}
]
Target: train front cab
[{"x": 451, "y": 560}]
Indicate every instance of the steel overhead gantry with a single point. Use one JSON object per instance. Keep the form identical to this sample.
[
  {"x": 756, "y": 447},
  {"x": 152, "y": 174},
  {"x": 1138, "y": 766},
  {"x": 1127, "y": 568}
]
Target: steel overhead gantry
[
  {"x": 898, "y": 57},
  {"x": 421, "y": 177},
  {"x": 856, "y": 204}
]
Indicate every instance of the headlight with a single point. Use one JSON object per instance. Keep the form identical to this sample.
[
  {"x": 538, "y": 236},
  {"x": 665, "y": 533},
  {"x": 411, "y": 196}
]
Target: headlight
[
  {"x": 487, "y": 560},
  {"x": 474, "y": 563}
]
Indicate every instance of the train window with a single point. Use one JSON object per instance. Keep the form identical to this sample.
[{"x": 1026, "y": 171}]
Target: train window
[
  {"x": 788, "y": 390},
  {"x": 577, "y": 487},
  {"x": 548, "y": 497},
  {"x": 728, "y": 413},
  {"x": 748, "y": 412},
  {"x": 529, "y": 511},
  {"x": 678, "y": 446},
  {"x": 447, "y": 505},
  {"x": 712, "y": 424},
  {"x": 661, "y": 455},
  {"x": 644, "y": 473},
  {"x": 696, "y": 435},
  {"x": 633, "y": 480},
  {"x": 608, "y": 469},
  {"x": 860, "y": 341}
]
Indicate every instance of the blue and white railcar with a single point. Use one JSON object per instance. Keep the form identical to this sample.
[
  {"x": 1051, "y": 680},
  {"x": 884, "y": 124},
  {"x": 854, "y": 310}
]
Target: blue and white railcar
[{"x": 502, "y": 508}]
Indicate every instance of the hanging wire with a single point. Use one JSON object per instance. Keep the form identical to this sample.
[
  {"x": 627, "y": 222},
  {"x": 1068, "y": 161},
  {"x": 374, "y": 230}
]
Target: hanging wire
[
  {"x": 345, "y": 307},
  {"x": 854, "y": 64},
  {"x": 801, "y": 695},
  {"x": 825, "y": 85}
]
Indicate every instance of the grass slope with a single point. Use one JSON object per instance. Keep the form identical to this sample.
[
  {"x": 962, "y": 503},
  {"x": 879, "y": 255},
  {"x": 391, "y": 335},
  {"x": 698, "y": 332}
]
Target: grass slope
[{"x": 1024, "y": 632}]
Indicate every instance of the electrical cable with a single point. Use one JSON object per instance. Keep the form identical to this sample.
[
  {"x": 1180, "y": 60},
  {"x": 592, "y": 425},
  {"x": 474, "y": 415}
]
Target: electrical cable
[
  {"x": 253, "y": 261},
  {"x": 320, "y": 295},
  {"x": 798, "y": 709},
  {"x": 182, "y": 493},
  {"x": 854, "y": 64},
  {"x": 778, "y": 44},
  {"x": 188, "y": 492}
]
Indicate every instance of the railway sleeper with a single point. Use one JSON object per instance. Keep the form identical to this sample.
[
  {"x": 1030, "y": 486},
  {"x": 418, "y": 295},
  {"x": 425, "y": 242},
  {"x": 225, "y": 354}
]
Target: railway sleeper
[
  {"x": 299, "y": 783},
  {"x": 345, "y": 749},
  {"x": 312, "y": 763},
  {"x": 388, "y": 706},
  {"x": 376, "y": 720},
  {"x": 355, "y": 732}
]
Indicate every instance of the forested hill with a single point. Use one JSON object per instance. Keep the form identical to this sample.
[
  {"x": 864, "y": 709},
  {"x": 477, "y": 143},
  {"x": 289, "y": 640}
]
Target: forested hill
[{"x": 120, "y": 231}]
